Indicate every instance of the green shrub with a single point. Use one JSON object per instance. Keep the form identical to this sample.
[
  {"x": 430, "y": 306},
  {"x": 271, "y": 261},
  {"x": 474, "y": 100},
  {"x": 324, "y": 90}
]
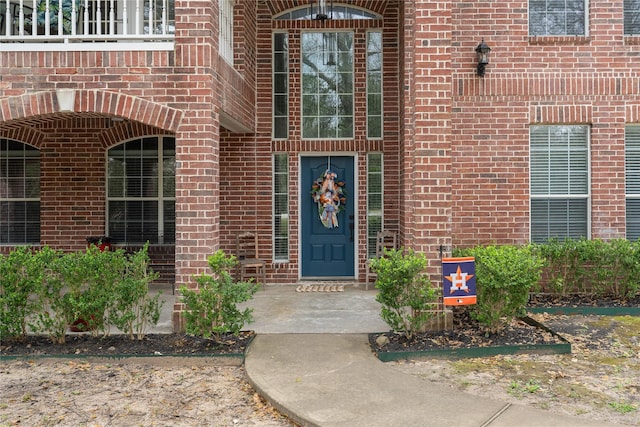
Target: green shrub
[
  {"x": 97, "y": 288},
  {"x": 212, "y": 308},
  {"x": 406, "y": 294},
  {"x": 77, "y": 286},
  {"x": 595, "y": 267},
  {"x": 504, "y": 277},
  {"x": 564, "y": 272},
  {"x": 49, "y": 317},
  {"x": 133, "y": 309},
  {"x": 21, "y": 273},
  {"x": 622, "y": 268}
]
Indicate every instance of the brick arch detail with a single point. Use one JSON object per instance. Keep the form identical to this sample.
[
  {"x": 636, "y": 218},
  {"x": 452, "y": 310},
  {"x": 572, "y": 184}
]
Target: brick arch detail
[
  {"x": 92, "y": 101},
  {"x": 127, "y": 131},
  {"x": 129, "y": 107},
  {"x": 26, "y": 135}
]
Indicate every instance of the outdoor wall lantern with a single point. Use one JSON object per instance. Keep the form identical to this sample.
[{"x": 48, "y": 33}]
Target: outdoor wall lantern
[
  {"x": 483, "y": 57},
  {"x": 324, "y": 10}
]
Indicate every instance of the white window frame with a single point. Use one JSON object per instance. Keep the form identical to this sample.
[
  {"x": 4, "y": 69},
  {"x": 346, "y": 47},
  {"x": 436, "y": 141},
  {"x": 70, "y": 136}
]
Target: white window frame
[
  {"x": 225, "y": 22},
  {"x": 549, "y": 194},
  {"x": 353, "y": 91},
  {"x": 586, "y": 23}
]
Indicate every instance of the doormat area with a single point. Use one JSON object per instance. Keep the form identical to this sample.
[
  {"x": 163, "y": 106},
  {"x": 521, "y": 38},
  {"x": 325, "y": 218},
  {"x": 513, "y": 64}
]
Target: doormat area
[{"x": 320, "y": 288}]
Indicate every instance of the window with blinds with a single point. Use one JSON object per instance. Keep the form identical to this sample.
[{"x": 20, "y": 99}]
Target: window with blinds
[
  {"x": 141, "y": 191},
  {"x": 559, "y": 179},
  {"x": 632, "y": 176},
  {"x": 19, "y": 192},
  {"x": 374, "y": 201},
  {"x": 281, "y": 207},
  {"x": 632, "y": 17}
]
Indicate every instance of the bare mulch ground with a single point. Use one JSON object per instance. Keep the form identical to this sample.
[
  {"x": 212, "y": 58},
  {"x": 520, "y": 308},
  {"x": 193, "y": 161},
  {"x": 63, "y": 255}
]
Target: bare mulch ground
[
  {"x": 467, "y": 333},
  {"x": 130, "y": 392},
  {"x": 85, "y": 344},
  {"x": 600, "y": 379},
  {"x": 186, "y": 381}
]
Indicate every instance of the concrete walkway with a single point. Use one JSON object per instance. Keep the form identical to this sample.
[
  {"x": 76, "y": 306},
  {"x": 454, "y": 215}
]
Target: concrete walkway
[
  {"x": 311, "y": 359},
  {"x": 335, "y": 380}
]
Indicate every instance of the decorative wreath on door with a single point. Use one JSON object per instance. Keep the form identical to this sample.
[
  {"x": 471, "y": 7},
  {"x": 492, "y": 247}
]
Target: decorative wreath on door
[{"x": 330, "y": 195}]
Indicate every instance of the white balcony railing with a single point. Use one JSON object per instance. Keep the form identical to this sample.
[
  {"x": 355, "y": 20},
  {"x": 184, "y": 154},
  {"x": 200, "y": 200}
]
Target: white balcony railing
[{"x": 141, "y": 24}]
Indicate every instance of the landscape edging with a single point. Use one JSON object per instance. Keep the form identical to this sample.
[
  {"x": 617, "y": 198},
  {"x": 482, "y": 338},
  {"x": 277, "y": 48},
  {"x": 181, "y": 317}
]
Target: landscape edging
[
  {"x": 562, "y": 348},
  {"x": 238, "y": 356},
  {"x": 586, "y": 310}
]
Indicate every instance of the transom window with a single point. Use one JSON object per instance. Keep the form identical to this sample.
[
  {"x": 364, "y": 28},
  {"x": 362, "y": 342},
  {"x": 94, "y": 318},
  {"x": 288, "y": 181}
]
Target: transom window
[
  {"x": 632, "y": 17},
  {"x": 559, "y": 182},
  {"x": 141, "y": 191},
  {"x": 19, "y": 193},
  {"x": 339, "y": 11},
  {"x": 327, "y": 85},
  {"x": 632, "y": 174},
  {"x": 557, "y": 17}
]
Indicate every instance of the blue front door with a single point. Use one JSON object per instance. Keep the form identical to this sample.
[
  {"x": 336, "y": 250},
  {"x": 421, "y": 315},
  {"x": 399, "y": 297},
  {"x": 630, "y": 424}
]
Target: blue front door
[{"x": 327, "y": 241}]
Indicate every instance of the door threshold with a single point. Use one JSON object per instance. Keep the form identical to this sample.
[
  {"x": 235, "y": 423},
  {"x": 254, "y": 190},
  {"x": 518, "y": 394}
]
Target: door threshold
[{"x": 349, "y": 281}]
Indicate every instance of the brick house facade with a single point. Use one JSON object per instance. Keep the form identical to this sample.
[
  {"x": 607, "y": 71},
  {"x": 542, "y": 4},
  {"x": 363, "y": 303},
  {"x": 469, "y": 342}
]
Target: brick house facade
[{"x": 454, "y": 146}]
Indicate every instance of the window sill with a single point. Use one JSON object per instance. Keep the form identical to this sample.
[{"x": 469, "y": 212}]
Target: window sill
[
  {"x": 632, "y": 40},
  {"x": 559, "y": 40}
]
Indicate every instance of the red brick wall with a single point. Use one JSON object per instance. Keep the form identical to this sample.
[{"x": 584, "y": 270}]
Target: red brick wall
[
  {"x": 535, "y": 80},
  {"x": 426, "y": 166}
]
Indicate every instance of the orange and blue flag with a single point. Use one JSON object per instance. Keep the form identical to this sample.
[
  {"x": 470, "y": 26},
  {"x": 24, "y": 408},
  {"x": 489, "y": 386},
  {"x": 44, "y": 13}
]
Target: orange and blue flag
[{"x": 459, "y": 281}]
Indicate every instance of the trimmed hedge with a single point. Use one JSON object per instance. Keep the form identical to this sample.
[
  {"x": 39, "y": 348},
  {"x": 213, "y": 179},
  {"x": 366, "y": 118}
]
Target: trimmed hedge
[
  {"x": 595, "y": 267},
  {"x": 45, "y": 291}
]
